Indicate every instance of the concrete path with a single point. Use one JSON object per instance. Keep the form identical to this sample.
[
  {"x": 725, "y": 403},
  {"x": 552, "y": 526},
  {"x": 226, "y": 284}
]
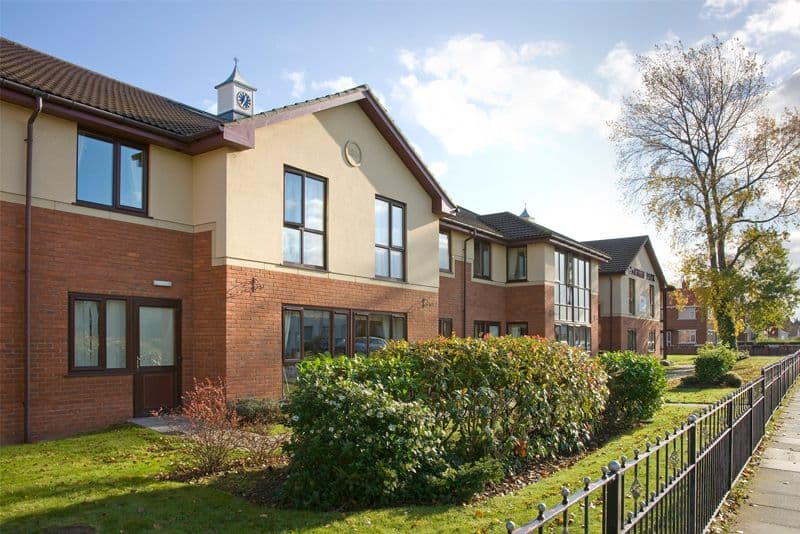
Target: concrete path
[
  {"x": 164, "y": 425},
  {"x": 773, "y": 504}
]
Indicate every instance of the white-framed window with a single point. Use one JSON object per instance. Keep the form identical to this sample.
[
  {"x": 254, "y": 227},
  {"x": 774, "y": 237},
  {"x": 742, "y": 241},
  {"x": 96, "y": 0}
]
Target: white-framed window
[
  {"x": 651, "y": 341},
  {"x": 688, "y": 313},
  {"x": 687, "y": 337},
  {"x": 669, "y": 338},
  {"x": 711, "y": 337}
]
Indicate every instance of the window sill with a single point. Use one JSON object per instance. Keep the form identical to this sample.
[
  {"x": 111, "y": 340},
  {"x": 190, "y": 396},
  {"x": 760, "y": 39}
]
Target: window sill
[
  {"x": 390, "y": 279},
  {"x": 98, "y": 372},
  {"x": 305, "y": 267},
  {"x": 103, "y": 207},
  {"x": 481, "y": 277},
  {"x": 516, "y": 281}
]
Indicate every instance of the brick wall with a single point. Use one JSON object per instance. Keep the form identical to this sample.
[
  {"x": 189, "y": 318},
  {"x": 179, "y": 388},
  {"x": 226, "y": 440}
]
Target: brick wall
[
  {"x": 614, "y": 333},
  {"x": 82, "y": 254}
]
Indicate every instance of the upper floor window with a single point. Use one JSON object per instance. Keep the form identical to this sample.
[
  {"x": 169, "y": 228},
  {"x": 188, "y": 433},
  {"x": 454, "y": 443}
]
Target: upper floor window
[
  {"x": 303, "y": 219},
  {"x": 111, "y": 173},
  {"x": 482, "y": 263},
  {"x": 631, "y": 296},
  {"x": 517, "y": 264},
  {"x": 687, "y": 313},
  {"x": 652, "y": 300},
  {"x": 390, "y": 237},
  {"x": 573, "y": 284},
  {"x": 444, "y": 252}
]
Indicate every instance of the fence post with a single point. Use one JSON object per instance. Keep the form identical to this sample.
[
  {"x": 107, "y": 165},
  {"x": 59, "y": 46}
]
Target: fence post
[
  {"x": 752, "y": 415},
  {"x": 612, "y": 515},
  {"x": 692, "y": 465},
  {"x": 764, "y": 396},
  {"x": 729, "y": 417}
]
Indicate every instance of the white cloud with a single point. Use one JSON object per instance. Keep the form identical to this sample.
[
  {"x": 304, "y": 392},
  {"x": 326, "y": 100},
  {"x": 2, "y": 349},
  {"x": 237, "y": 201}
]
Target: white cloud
[
  {"x": 408, "y": 59},
  {"x": 542, "y": 48},
  {"x": 298, "y": 79},
  {"x": 786, "y": 95},
  {"x": 620, "y": 71},
  {"x": 472, "y": 93},
  {"x": 335, "y": 85},
  {"x": 209, "y": 105},
  {"x": 781, "y": 17},
  {"x": 723, "y": 9},
  {"x": 438, "y": 168},
  {"x": 780, "y": 59}
]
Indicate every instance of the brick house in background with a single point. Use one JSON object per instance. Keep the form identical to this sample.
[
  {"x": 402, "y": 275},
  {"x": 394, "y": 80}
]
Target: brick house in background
[
  {"x": 688, "y": 326},
  {"x": 504, "y": 274},
  {"x": 632, "y": 287},
  {"x": 168, "y": 244}
]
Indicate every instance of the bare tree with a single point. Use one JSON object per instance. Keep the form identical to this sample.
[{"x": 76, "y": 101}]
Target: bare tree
[{"x": 699, "y": 153}]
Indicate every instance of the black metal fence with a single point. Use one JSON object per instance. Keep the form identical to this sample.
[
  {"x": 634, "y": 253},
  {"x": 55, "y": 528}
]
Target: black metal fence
[{"x": 678, "y": 483}]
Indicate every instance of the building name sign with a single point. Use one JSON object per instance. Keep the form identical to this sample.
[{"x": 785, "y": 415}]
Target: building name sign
[{"x": 633, "y": 271}]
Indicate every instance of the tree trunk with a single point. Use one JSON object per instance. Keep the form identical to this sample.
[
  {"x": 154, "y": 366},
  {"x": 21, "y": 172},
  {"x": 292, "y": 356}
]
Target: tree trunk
[{"x": 726, "y": 328}]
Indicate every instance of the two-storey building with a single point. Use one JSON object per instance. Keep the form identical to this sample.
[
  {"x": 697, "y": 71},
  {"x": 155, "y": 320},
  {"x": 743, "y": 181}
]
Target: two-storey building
[
  {"x": 688, "y": 324},
  {"x": 146, "y": 244}
]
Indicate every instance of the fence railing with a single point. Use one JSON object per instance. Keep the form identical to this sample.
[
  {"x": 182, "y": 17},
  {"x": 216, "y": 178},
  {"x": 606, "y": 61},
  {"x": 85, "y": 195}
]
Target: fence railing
[{"x": 678, "y": 483}]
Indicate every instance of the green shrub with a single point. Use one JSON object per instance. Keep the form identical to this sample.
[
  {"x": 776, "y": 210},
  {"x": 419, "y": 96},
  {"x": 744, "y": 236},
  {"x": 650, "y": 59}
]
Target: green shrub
[
  {"x": 352, "y": 442},
  {"x": 636, "y": 383},
  {"x": 713, "y": 362},
  {"x": 255, "y": 410},
  {"x": 731, "y": 380},
  {"x": 457, "y": 484}
]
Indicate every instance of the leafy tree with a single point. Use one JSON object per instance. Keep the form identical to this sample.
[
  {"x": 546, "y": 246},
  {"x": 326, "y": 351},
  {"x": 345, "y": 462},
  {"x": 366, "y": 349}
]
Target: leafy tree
[{"x": 699, "y": 153}]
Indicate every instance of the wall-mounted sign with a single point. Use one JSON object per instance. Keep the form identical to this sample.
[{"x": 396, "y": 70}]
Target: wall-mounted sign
[{"x": 633, "y": 271}]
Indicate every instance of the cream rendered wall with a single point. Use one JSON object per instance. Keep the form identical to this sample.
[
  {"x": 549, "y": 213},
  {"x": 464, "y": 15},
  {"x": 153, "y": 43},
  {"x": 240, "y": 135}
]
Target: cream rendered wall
[
  {"x": 620, "y": 298},
  {"x": 541, "y": 263},
  {"x": 208, "y": 208},
  {"x": 314, "y": 143}
]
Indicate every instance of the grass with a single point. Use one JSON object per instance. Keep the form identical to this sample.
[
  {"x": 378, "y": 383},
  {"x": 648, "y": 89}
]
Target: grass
[
  {"x": 749, "y": 369},
  {"x": 108, "y": 480}
]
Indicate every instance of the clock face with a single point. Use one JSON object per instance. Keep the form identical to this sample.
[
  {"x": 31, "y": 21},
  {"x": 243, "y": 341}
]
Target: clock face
[{"x": 243, "y": 99}]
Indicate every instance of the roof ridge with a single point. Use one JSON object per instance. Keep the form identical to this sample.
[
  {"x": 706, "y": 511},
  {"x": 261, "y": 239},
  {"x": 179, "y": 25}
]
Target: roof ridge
[{"x": 187, "y": 107}]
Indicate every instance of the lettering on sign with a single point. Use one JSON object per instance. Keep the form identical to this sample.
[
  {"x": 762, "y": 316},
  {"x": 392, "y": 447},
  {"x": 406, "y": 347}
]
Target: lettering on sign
[{"x": 633, "y": 271}]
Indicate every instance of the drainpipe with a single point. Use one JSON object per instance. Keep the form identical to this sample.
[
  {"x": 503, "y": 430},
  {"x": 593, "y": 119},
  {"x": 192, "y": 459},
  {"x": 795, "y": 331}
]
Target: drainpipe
[
  {"x": 664, "y": 291},
  {"x": 28, "y": 216},
  {"x": 611, "y": 313},
  {"x": 464, "y": 307}
]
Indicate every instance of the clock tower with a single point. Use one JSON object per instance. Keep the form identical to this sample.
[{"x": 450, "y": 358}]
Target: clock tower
[{"x": 235, "y": 96}]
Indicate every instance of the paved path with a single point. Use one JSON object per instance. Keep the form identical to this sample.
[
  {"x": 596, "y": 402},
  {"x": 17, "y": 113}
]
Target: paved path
[{"x": 773, "y": 505}]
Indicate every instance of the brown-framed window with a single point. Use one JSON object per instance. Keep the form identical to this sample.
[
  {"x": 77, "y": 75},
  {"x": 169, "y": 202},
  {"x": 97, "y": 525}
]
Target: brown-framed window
[
  {"x": 311, "y": 330},
  {"x": 632, "y": 340},
  {"x": 575, "y": 335},
  {"x": 632, "y": 296},
  {"x": 517, "y": 329},
  {"x": 652, "y": 300},
  {"x": 445, "y": 253},
  {"x": 482, "y": 261},
  {"x": 111, "y": 173},
  {"x": 445, "y": 327},
  {"x": 517, "y": 264},
  {"x": 390, "y": 239},
  {"x": 304, "y": 216},
  {"x": 572, "y": 291},
  {"x": 98, "y": 332},
  {"x": 482, "y": 328}
]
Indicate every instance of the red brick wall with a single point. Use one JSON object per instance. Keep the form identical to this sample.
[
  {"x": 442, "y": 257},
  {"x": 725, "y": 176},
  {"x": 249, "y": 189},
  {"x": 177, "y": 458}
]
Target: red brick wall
[
  {"x": 77, "y": 253},
  {"x": 614, "y": 333},
  {"x": 254, "y": 319}
]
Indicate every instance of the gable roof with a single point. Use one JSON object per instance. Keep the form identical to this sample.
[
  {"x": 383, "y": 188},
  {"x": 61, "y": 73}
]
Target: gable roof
[
  {"x": 511, "y": 229},
  {"x": 73, "y": 92},
  {"x": 623, "y": 250},
  {"x": 53, "y": 76}
]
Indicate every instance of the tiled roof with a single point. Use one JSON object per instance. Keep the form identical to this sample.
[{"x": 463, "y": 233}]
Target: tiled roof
[
  {"x": 40, "y": 71},
  {"x": 622, "y": 251},
  {"x": 469, "y": 218}
]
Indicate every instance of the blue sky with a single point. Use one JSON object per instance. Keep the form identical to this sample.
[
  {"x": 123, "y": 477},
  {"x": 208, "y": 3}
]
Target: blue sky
[{"x": 506, "y": 102}]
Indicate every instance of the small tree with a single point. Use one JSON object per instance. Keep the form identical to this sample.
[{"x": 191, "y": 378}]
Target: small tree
[
  {"x": 699, "y": 153},
  {"x": 212, "y": 425}
]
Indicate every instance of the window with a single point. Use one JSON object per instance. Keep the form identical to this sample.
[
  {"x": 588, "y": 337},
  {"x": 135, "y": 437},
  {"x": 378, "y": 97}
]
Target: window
[
  {"x": 572, "y": 289},
  {"x": 687, "y": 337},
  {"x": 669, "y": 338},
  {"x": 687, "y": 313},
  {"x": 373, "y": 330},
  {"x": 303, "y": 219},
  {"x": 652, "y": 300},
  {"x": 390, "y": 230},
  {"x": 578, "y": 336},
  {"x": 481, "y": 328},
  {"x": 482, "y": 262},
  {"x": 711, "y": 337},
  {"x": 517, "y": 264},
  {"x": 651, "y": 341},
  {"x": 631, "y": 296},
  {"x": 98, "y": 333},
  {"x": 445, "y": 327},
  {"x": 517, "y": 329},
  {"x": 111, "y": 174},
  {"x": 444, "y": 252},
  {"x": 631, "y": 340}
]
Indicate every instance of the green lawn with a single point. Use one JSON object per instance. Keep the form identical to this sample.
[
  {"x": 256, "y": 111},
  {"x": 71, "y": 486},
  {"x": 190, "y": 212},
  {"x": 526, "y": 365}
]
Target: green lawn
[
  {"x": 108, "y": 480},
  {"x": 749, "y": 369}
]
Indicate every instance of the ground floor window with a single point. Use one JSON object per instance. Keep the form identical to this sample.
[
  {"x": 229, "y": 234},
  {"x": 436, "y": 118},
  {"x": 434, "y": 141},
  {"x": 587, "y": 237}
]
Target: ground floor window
[
  {"x": 711, "y": 337},
  {"x": 308, "y": 331},
  {"x": 669, "y": 338},
  {"x": 631, "y": 340},
  {"x": 687, "y": 337},
  {"x": 517, "y": 329},
  {"x": 481, "y": 328},
  {"x": 578, "y": 336},
  {"x": 651, "y": 341},
  {"x": 445, "y": 327},
  {"x": 98, "y": 332}
]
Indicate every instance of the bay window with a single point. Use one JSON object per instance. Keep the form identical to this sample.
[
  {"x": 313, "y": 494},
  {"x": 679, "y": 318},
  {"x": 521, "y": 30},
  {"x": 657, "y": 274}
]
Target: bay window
[
  {"x": 517, "y": 264},
  {"x": 572, "y": 295}
]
